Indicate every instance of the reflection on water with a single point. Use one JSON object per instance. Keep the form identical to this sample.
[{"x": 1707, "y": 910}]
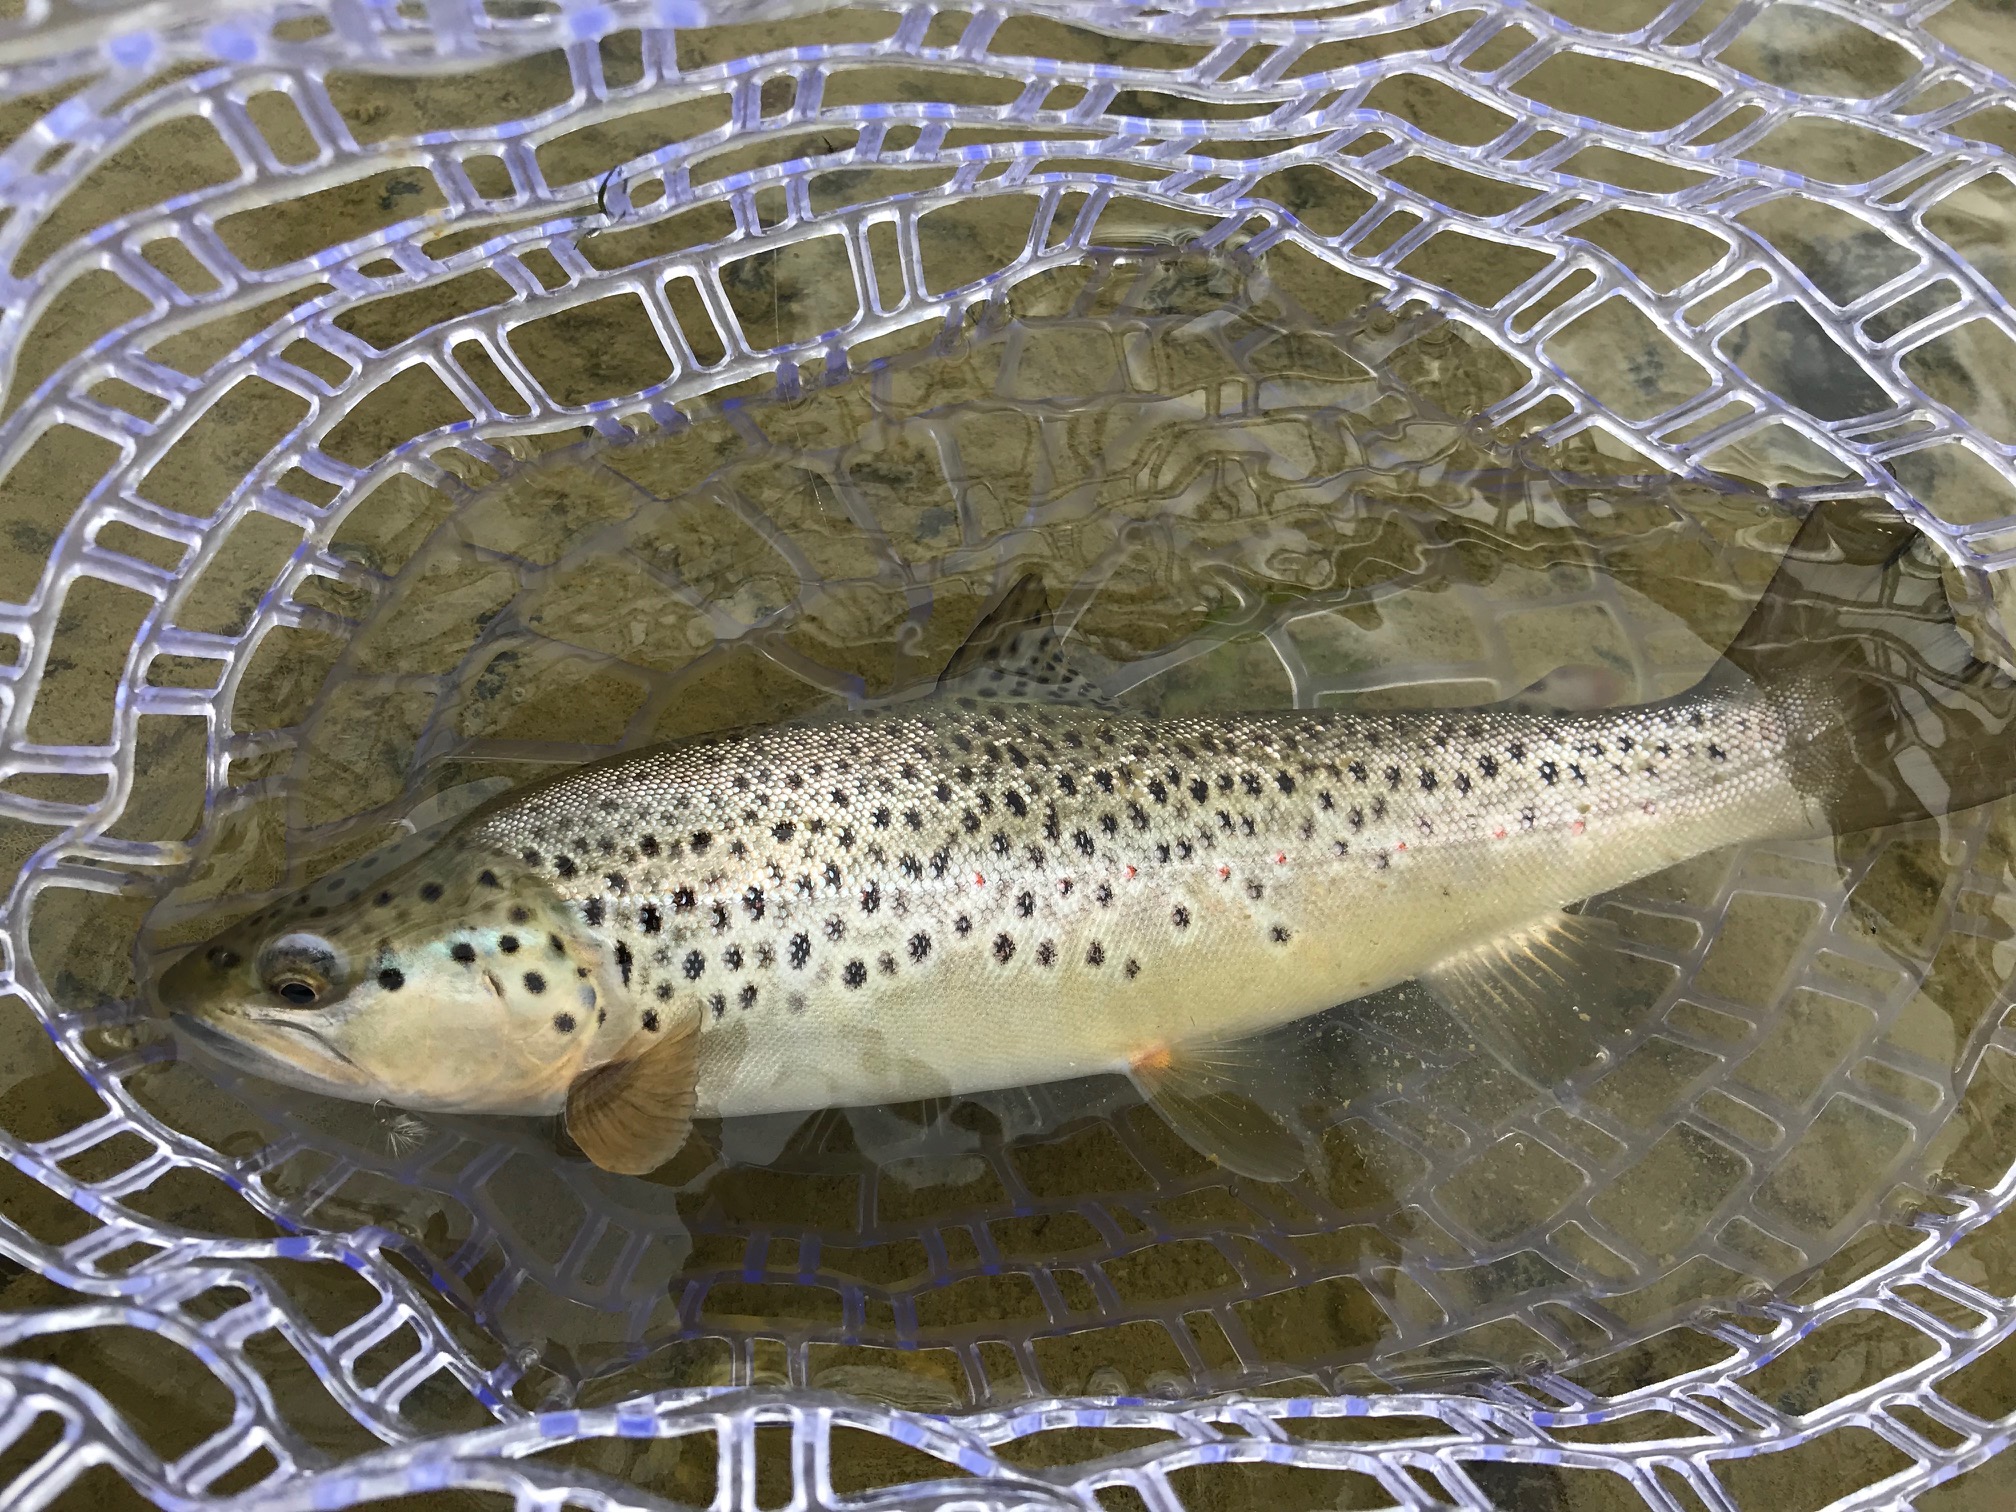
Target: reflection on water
[{"x": 1246, "y": 496}]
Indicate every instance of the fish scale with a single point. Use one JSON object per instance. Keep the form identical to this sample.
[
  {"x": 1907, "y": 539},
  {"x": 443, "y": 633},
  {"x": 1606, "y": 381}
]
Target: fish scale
[{"x": 906, "y": 905}]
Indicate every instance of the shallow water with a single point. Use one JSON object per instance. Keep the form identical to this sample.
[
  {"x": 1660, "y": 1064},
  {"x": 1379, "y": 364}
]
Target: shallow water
[
  {"x": 1810, "y": 1059},
  {"x": 1240, "y": 494}
]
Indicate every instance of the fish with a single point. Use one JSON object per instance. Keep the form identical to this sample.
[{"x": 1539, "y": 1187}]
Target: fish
[{"x": 1013, "y": 881}]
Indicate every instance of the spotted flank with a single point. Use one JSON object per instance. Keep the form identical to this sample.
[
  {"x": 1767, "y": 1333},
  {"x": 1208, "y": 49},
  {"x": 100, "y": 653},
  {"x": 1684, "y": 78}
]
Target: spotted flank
[{"x": 1011, "y": 882}]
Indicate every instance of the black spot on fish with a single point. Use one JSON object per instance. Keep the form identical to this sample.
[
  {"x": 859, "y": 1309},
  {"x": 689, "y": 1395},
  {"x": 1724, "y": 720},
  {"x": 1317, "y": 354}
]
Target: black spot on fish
[
  {"x": 752, "y": 900},
  {"x": 1284, "y": 782},
  {"x": 650, "y": 1020},
  {"x": 520, "y": 915},
  {"x": 732, "y": 958},
  {"x": 592, "y": 911},
  {"x": 835, "y": 929},
  {"x": 854, "y": 973},
  {"x": 700, "y": 841},
  {"x": 531, "y": 857},
  {"x": 920, "y": 946},
  {"x": 534, "y": 983},
  {"x": 508, "y": 944},
  {"x": 962, "y": 925},
  {"x": 694, "y": 964},
  {"x": 1004, "y": 949},
  {"x": 682, "y": 899},
  {"x": 391, "y": 979},
  {"x": 1278, "y": 934},
  {"x": 1095, "y": 954},
  {"x": 488, "y": 878},
  {"x": 1067, "y": 784},
  {"x": 463, "y": 951},
  {"x": 747, "y": 996},
  {"x": 623, "y": 961},
  {"x": 784, "y": 831},
  {"x": 618, "y": 883},
  {"x": 648, "y": 844},
  {"x": 649, "y": 919},
  {"x": 1133, "y": 968},
  {"x": 1046, "y": 953},
  {"x": 1180, "y": 916},
  {"x": 800, "y": 950},
  {"x": 382, "y": 899},
  {"x": 563, "y": 865},
  {"x": 1025, "y": 904},
  {"x": 431, "y": 892},
  {"x": 1548, "y": 772},
  {"x": 564, "y": 1022},
  {"x": 871, "y": 898}
]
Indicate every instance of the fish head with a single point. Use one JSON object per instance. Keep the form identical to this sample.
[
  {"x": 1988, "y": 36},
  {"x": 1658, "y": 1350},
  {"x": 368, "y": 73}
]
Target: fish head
[{"x": 455, "y": 982}]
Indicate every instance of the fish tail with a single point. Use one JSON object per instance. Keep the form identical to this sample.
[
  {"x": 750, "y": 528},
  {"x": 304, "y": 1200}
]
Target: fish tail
[{"x": 1855, "y": 647}]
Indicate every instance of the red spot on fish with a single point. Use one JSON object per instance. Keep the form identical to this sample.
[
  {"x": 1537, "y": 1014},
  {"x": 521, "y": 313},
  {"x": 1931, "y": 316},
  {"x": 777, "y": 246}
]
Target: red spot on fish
[
  {"x": 978, "y": 880},
  {"x": 1280, "y": 858},
  {"x": 1401, "y": 846},
  {"x": 1577, "y": 827},
  {"x": 1131, "y": 874},
  {"x": 1651, "y": 807},
  {"x": 1498, "y": 833},
  {"x": 1224, "y": 872}
]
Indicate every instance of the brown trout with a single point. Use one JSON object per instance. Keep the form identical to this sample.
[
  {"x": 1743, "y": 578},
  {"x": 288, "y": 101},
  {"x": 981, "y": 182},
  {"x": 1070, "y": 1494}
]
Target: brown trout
[{"x": 1010, "y": 884}]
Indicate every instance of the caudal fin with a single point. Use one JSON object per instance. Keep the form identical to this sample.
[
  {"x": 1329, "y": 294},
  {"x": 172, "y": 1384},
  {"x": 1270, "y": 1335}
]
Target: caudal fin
[{"x": 1855, "y": 643}]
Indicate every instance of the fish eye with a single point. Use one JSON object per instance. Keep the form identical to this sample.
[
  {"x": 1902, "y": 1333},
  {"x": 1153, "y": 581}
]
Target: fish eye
[{"x": 299, "y": 969}]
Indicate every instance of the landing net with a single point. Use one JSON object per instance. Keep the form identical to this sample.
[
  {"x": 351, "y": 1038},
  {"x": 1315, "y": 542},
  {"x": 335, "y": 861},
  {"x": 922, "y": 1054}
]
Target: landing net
[{"x": 363, "y": 356}]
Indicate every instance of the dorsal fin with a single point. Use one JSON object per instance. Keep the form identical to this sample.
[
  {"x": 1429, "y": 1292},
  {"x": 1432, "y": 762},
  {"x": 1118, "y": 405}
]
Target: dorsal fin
[{"x": 1015, "y": 654}]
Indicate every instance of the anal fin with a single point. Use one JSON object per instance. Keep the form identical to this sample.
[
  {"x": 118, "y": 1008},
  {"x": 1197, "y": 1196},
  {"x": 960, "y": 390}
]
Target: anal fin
[
  {"x": 1544, "y": 998},
  {"x": 1209, "y": 1095},
  {"x": 633, "y": 1114}
]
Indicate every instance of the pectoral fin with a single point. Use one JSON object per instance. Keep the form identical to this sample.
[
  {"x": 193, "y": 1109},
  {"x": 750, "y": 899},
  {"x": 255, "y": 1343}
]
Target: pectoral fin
[
  {"x": 1545, "y": 998},
  {"x": 633, "y": 1114},
  {"x": 1209, "y": 1095}
]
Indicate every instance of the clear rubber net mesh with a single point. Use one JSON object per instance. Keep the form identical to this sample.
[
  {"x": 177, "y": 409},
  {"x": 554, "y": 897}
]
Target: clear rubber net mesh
[{"x": 409, "y": 396}]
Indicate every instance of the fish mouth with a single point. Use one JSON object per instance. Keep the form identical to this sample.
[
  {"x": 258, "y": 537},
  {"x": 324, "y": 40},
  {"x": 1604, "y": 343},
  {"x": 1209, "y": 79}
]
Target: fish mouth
[{"x": 292, "y": 1054}]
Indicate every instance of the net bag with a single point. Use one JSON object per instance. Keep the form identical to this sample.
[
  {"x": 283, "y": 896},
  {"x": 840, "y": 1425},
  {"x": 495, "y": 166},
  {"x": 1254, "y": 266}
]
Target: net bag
[{"x": 401, "y": 397}]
